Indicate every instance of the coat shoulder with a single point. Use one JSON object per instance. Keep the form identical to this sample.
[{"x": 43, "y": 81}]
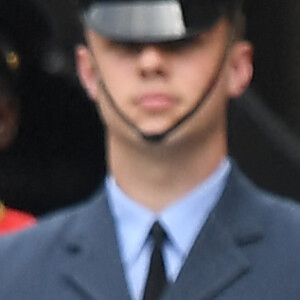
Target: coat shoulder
[
  {"x": 246, "y": 199},
  {"x": 40, "y": 245},
  {"x": 248, "y": 211}
]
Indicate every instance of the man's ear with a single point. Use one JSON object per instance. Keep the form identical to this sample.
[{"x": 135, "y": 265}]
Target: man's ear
[
  {"x": 241, "y": 68},
  {"x": 86, "y": 71},
  {"x": 9, "y": 122}
]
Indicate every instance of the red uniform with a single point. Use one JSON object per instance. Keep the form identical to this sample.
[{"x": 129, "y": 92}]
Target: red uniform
[{"x": 12, "y": 220}]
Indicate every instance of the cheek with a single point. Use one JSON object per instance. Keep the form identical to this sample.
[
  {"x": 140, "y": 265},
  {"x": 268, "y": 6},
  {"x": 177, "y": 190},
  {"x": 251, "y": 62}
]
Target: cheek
[
  {"x": 117, "y": 74},
  {"x": 194, "y": 76},
  {"x": 200, "y": 70},
  {"x": 117, "y": 78}
]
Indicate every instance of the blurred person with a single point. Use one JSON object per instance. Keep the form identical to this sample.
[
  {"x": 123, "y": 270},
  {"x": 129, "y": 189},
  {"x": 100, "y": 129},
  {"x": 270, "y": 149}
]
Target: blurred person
[
  {"x": 176, "y": 218},
  {"x": 10, "y": 219},
  {"x": 55, "y": 157}
]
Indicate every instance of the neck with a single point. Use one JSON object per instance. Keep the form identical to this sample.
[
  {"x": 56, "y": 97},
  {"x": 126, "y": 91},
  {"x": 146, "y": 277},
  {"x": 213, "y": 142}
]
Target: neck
[{"x": 161, "y": 172}]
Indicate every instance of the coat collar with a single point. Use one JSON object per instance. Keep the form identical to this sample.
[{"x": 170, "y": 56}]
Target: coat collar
[
  {"x": 217, "y": 258},
  {"x": 93, "y": 264}
]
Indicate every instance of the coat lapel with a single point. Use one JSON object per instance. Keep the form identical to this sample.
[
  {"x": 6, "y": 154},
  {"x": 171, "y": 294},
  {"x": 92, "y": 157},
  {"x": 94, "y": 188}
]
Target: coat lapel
[
  {"x": 217, "y": 260},
  {"x": 214, "y": 263},
  {"x": 93, "y": 266}
]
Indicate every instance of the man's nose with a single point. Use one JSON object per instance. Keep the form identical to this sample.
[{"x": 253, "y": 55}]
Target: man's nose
[{"x": 153, "y": 61}]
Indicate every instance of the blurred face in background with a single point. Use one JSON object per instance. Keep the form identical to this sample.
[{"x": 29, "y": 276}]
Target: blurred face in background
[{"x": 9, "y": 119}]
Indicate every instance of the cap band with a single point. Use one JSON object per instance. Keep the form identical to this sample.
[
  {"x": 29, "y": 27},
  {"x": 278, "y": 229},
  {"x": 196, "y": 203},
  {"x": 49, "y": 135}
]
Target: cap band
[{"x": 137, "y": 21}]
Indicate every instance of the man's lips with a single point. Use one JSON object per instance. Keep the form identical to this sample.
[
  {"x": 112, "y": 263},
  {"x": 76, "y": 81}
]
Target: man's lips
[{"x": 156, "y": 102}]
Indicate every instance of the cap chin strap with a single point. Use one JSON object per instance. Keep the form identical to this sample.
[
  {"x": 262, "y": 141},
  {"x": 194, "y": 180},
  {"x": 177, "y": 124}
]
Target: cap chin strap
[{"x": 156, "y": 138}]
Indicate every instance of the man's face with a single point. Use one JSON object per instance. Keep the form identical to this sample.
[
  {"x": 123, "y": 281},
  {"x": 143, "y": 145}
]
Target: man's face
[{"x": 156, "y": 85}]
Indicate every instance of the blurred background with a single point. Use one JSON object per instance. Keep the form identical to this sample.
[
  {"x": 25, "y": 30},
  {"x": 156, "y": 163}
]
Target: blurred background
[{"x": 264, "y": 125}]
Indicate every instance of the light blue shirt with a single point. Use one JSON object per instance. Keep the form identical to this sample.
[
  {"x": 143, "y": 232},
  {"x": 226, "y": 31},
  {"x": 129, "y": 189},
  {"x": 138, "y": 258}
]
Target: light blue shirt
[{"x": 182, "y": 221}]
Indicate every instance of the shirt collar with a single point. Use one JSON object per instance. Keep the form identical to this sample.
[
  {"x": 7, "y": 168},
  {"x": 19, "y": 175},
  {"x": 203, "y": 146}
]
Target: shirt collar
[
  {"x": 133, "y": 221},
  {"x": 182, "y": 220}
]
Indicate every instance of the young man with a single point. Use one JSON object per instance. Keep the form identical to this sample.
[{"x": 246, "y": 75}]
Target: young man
[{"x": 176, "y": 219}]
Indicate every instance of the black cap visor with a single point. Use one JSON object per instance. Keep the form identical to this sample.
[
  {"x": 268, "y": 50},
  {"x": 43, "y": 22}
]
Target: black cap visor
[{"x": 150, "y": 21}]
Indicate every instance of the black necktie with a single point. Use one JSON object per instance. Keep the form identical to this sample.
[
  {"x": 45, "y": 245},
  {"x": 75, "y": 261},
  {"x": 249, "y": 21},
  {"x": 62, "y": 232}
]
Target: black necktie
[{"x": 156, "y": 281}]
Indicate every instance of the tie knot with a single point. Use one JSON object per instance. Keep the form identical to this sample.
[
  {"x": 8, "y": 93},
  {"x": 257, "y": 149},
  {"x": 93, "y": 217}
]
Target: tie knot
[{"x": 158, "y": 234}]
